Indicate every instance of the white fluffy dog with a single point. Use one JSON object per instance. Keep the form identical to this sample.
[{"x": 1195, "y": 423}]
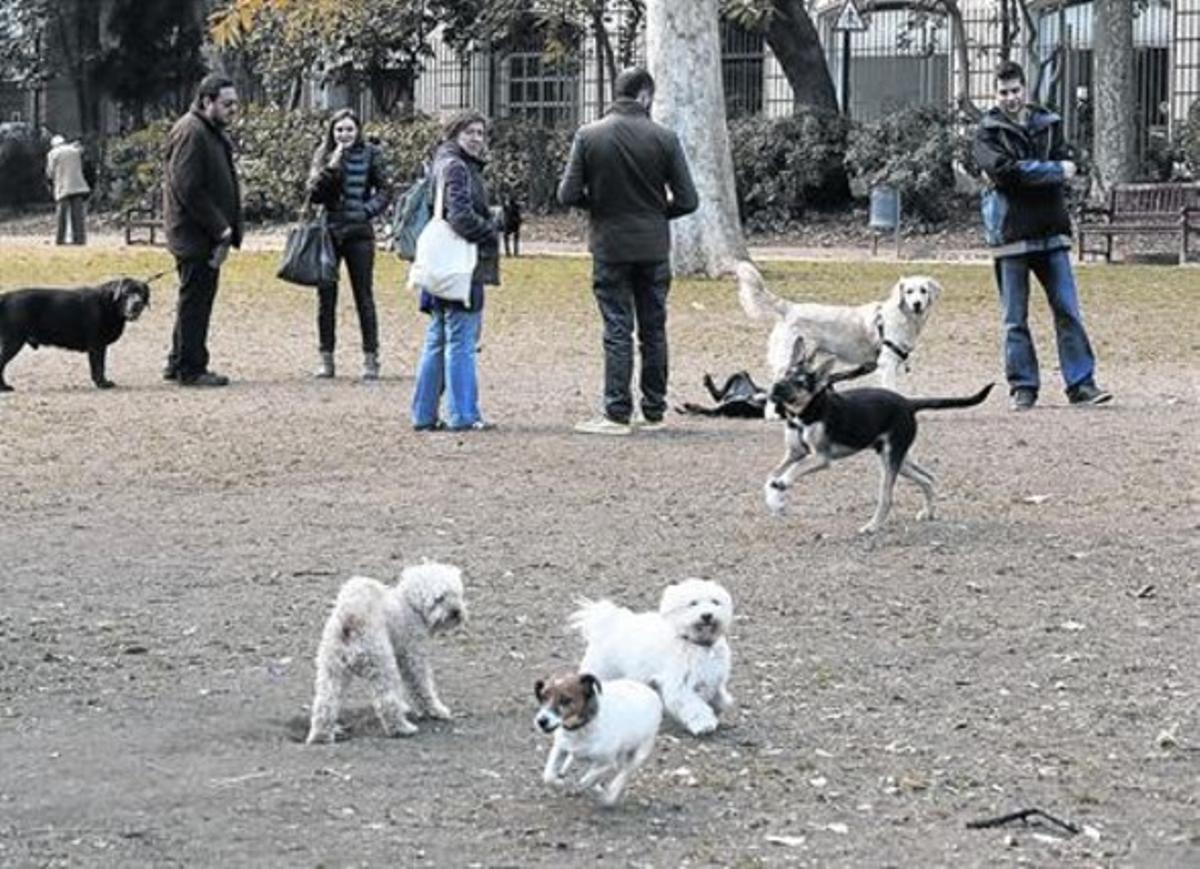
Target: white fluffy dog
[
  {"x": 880, "y": 333},
  {"x": 609, "y": 727},
  {"x": 680, "y": 650},
  {"x": 380, "y": 634}
]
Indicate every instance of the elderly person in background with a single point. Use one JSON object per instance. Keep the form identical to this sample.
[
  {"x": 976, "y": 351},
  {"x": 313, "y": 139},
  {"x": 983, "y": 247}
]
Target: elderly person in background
[{"x": 64, "y": 171}]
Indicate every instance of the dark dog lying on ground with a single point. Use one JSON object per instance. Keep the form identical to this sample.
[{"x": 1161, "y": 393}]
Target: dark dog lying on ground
[
  {"x": 511, "y": 210},
  {"x": 741, "y": 397},
  {"x": 87, "y": 319},
  {"x": 823, "y": 426}
]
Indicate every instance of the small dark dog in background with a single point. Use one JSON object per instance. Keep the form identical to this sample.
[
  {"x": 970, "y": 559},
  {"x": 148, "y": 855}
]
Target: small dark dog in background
[
  {"x": 87, "y": 319},
  {"x": 512, "y": 220}
]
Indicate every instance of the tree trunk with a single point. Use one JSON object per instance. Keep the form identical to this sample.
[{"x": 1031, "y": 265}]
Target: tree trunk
[
  {"x": 1115, "y": 144},
  {"x": 793, "y": 39},
  {"x": 959, "y": 35},
  {"x": 683, "y": 50}
]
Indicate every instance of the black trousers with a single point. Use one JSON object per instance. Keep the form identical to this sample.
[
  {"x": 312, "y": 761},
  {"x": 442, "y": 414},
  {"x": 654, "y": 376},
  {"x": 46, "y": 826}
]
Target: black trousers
[
  {"x": 359, "y": 256},
  {"x": 189, "y": 342},
  {"x": 72, "y": 213},
  {"x": 633, "y": 295}
]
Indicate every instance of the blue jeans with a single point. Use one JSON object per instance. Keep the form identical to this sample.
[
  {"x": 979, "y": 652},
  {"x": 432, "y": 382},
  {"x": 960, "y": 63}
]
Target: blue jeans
[
  {"x": 448, "y": 364},
  {"x": 1053, "y": 271}
]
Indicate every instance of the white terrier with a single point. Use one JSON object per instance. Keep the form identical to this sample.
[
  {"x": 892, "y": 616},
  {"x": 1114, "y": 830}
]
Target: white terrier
[
  {"x": 681, "y": 649},
  {"x": 611, "y": 727},
  {"x": 381, "y": 635}
]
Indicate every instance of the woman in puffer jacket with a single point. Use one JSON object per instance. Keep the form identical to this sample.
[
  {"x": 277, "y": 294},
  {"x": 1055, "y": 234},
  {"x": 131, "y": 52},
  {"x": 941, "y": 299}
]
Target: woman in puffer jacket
[
  {"x": 447, "y": 361},
  {"x": 350, "y": 179}
]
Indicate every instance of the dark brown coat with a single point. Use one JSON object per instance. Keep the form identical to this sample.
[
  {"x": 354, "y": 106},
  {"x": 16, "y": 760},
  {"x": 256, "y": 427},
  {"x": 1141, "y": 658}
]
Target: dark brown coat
[
  {"x": 620, "y": 171},
  {"x": 201, "y": 196}
]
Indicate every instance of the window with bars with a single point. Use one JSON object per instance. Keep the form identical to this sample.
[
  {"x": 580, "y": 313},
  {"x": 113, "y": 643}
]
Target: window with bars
[
  {"x": 742, "y": 58},
  {"x": 541, "y": 90}
]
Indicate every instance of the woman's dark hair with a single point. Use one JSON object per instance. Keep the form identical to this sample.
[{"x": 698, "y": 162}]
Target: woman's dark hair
[
  {"x": 459, "y": 121},
  {"x": 210, "y": 87},
  {"x": 328, "y": 143}
]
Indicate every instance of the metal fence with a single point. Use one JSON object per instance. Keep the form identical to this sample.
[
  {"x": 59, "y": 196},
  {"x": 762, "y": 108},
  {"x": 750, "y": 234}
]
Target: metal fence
[{"x": 902, "y": 59}]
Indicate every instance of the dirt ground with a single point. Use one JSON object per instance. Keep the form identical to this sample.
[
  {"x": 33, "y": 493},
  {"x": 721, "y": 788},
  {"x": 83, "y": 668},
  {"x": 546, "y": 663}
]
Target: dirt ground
[{"x": 169, "y": 556}]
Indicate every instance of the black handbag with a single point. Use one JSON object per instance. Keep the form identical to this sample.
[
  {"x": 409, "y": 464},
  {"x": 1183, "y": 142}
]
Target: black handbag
[{"x": 308, "y": 256}]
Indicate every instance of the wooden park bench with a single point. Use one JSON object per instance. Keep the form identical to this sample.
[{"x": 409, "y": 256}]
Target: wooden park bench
[
  {"x": 1164, "y": 208},
  {"x": 143, "y": 223}
]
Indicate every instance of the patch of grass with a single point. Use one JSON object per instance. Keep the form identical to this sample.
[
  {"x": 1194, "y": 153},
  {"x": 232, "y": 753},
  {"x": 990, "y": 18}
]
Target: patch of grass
[{"x": 1143, "y": 312}]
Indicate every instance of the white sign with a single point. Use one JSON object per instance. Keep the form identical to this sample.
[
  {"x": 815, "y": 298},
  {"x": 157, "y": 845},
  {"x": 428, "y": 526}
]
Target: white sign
[{"x": 850, "y": 19}]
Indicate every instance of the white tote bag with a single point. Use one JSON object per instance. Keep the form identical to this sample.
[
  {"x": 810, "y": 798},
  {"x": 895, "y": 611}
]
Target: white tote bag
[{"x": 445, "y": 260}]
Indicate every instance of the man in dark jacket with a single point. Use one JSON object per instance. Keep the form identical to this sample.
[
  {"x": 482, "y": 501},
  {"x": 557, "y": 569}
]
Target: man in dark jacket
[
  {"x": 631, "y": 176},
  {"x": 1020, "y": 148},
  {"x": 202, "y": 215}
]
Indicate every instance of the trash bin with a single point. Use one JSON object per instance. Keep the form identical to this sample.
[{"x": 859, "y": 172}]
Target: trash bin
[{"x": 884, "y": 215}]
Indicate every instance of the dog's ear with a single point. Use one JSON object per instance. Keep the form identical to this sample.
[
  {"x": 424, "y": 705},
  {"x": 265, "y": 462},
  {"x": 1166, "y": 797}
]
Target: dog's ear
[
  {"x": 798, "y": 351},
  {"x": 935, "y": 289},
  {"x": 538, "y": 687},
  {"x": 591, "y": 685}
]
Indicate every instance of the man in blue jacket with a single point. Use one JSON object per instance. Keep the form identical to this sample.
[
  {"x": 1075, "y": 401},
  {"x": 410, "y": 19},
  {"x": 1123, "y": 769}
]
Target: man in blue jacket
[
  {"x": 631, "y": 176},
  {"x": 1020, "y": 148}
]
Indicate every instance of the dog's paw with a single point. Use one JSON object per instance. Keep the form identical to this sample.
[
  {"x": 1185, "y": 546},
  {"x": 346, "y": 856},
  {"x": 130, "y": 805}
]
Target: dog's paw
[
  {"x": 723, "y": 701},
  {"x": 403, "y": 727},
  {"x": 316, "y": 737},
  {"x": 441, "y": 712},
  {"x": 698, "y": 725},
  {"x": 775, "y": 498},
  {"x": 557, "y": 781},
  {"x": 926, "y": 514},
  {"x": 870, "y": 528}
]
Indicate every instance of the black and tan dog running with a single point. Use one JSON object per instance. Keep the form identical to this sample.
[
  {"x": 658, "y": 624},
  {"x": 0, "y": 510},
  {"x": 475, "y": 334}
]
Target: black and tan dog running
[
  {"x": 823, "y": 426},
  {"x": 86, "y": 319}
]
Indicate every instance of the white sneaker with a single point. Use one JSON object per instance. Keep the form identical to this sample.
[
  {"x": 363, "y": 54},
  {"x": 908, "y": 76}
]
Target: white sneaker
[
  {"x": 652, "y": 425},
  {"x": 602, "y": 425}
]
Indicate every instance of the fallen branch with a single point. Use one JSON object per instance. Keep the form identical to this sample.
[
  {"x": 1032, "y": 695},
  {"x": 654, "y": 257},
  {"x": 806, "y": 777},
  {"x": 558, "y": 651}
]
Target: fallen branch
[{"x": 1023, "y": 816}]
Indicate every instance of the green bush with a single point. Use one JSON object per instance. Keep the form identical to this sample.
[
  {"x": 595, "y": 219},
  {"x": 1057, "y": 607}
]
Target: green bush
[
  {"x": 22, "y": 165},
  {"x": 1187, "y": 141},
  {"x": 784, "y": 166},
  {"x": 132, "y": 172},
  {"x": 275, "y": 148},
  {"x": 912, "y": 151}
]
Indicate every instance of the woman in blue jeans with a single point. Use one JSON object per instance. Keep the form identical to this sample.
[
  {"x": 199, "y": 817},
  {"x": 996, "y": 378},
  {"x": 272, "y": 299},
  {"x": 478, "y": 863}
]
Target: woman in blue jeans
[{"x": 447, "y": 363}]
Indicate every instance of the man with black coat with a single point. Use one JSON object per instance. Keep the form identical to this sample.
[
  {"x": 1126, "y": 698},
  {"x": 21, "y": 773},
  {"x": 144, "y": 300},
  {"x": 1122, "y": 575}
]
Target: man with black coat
[
  {"x": 631, "y": 176},
  {"x": 1020, "y": 148},
  {"x": 202, "y": 215}
]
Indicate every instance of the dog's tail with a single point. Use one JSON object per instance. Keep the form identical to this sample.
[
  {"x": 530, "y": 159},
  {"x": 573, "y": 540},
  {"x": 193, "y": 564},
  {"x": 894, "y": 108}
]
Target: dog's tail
[
  {"x": 594, "y": 617},
  {"x": 758, "y": 302},
  {"x": 943, "y": 403}
]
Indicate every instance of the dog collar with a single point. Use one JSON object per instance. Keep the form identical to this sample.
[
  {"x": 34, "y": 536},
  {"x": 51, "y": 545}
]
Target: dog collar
[
  {"x": 584, "y": 723},
  {"x": 890, "y": 344}
]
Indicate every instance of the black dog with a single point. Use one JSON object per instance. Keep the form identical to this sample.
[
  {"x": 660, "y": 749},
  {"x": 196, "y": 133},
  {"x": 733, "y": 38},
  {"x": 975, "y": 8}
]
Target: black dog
[
  {"x": 823, "y": 426},
  {"x": 511, "y": 210},
  {"x": 741, "y": 397},
  {"x": 87, "y": 319}
]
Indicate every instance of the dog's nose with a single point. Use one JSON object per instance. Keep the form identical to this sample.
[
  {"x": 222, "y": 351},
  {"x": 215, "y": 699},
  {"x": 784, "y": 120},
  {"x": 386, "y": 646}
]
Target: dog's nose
[
  {"x": 544, "y": 723},
  {"x": 707, "y": 619}
]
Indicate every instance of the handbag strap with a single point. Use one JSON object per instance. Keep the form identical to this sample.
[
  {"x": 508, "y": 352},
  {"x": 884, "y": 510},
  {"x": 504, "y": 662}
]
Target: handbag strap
[{"x": 439, "y": 195}]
